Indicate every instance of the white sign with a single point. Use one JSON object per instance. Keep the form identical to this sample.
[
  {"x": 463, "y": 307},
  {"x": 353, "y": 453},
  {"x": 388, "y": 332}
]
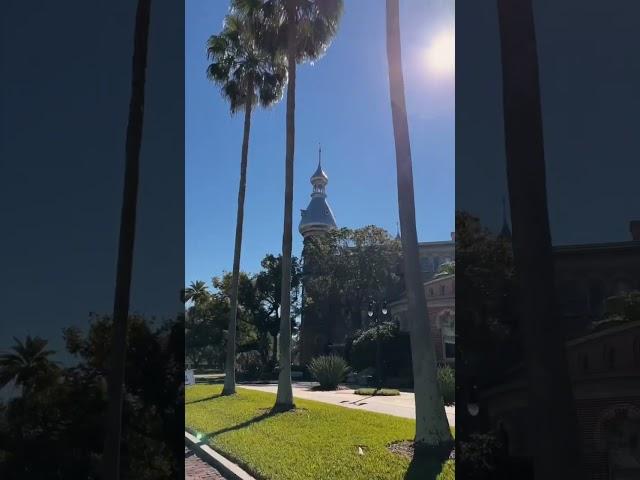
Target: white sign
[{"x": 189, "y": 377}]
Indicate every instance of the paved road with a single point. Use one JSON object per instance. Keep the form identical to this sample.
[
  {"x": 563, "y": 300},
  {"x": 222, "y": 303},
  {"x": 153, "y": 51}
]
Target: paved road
[
  {"x": 402, "y": 405},
  {"x": 196, "y": 469}
]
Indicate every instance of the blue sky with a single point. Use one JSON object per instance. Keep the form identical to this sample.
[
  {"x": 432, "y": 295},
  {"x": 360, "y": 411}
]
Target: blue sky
[{"x": 342, "y": 102}]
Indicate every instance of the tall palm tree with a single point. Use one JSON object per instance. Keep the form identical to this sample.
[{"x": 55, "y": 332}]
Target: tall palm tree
[
  {"x": 310, "y": 27},
  {"x": 553, "y": 416},
  {"x": 27, "y": 364},
  {"x": 432, "y": 427},
  {"x": 302, "y": 30},
  {"x": 116, "y": 376},
  {"x": 197, "y": 291},
  {"x": 246, "y": 74}
]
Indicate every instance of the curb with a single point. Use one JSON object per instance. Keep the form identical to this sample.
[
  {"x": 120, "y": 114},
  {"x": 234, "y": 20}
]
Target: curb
[{"x": 209, "y": 455}]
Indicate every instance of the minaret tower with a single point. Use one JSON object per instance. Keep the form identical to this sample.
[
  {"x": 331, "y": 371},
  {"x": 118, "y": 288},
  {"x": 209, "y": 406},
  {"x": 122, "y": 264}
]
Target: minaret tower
[
  {"x": 316, "y": 221},
  {"x": 318, "y": 218}
]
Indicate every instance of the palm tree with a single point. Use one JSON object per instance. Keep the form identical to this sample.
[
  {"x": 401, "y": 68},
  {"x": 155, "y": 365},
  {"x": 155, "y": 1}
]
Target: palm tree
[
  {"x": 197, "y": 291},
  {"x": 302, "y": 30},
  {"x": 432, "y": 427},
  {"x": 116, "y": 376},
  {"x": 246, "y": 75},
  {"x": 553, "y": 416},
  {"x": 27, "y": 364}
]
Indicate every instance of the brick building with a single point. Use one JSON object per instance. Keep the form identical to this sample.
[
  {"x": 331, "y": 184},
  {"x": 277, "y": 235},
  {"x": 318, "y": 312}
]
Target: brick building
[
  {"x": 440, "y": 294},
  {"x": 603, "y": 358},
  {"x": 318, "y": 337}
]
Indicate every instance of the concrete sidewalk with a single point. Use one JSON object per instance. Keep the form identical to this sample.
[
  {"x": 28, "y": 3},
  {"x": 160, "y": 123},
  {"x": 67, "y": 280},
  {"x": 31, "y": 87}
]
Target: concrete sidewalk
[{"x": 402, "y": 405}]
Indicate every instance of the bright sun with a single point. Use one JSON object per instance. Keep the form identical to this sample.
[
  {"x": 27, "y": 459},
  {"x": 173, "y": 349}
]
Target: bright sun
[{"x": 440, "y": 55}]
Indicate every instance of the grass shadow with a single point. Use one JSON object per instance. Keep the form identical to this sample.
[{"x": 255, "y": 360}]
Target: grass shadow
[
  {"x": 209, "y": 381},
  {"x": 206, "y": 399},
  {"x": 267, "y": 414},
  {"x": 425, "y": 468}
]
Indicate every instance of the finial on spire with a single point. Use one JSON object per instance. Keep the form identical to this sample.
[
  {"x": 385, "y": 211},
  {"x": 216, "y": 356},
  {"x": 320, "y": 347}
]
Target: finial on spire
[{"x": 319, "y": 154}]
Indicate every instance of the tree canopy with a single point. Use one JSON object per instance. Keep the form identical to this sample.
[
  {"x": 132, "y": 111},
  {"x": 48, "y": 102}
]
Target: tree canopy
[{"x": 346, "y": 268}]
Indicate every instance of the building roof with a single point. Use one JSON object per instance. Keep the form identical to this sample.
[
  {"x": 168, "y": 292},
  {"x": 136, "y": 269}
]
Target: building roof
[
  {"x": 317, "y": 215},
  {"x": 588, "y": 248}
]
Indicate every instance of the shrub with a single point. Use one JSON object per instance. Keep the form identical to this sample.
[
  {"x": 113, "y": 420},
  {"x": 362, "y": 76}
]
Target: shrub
[
  {"x": 479, "y": 455},
  {"x": 381, "y": 392},
  {"x": 447, "y": 383},
  {"x": 395, "y": 345},
  {"x": 329, "y": 371},
  {"x": 249, "y": 365}
]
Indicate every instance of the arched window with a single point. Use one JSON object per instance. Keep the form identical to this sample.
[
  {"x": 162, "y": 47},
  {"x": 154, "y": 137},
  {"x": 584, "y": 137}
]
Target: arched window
[
  {"x": 425, "y": 264},
  {"x": 436, "y": 263}
]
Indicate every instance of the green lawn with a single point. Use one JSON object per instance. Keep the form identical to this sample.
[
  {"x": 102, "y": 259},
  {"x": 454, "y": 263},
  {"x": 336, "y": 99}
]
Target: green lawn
[{"x": 318, "y": 441}]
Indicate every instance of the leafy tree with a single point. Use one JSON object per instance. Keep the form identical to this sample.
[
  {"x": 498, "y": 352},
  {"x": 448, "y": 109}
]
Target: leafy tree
[
  {"x": 346, "y": 268},
  {"x": 302, "y": 30},
  {"x": 490, "y": 339},
  {"x": 246, "y": 335},
  {"x": 205, "y": 333},
  {"x": 432, "y": 427},
  {"x": 247, "y": 75},
  {"x": 56, "y": 432},
  {"x": 268, "y": 291},
  {"x": 396, "y": 348}
]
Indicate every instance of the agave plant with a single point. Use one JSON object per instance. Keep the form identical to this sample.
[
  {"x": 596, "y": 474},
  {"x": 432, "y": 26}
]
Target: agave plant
[{"x": 329, "y": 371}]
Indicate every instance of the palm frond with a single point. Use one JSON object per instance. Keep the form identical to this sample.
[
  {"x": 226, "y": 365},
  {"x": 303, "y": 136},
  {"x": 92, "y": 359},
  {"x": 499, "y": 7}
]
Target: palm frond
[{"x": 247, "y": 54}]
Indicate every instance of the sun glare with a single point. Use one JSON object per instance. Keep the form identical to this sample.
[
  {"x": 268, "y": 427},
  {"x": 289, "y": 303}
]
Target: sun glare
[{"x": 440, "y": 55}]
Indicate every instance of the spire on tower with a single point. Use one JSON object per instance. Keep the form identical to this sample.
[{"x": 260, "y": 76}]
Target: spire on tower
[
  {"x": 319, "y": 176},
  {"x": 505, "y": 232},
  {"x": 398, "y": 230}
]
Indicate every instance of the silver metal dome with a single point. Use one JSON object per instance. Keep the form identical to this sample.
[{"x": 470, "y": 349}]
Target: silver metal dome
[{"x": 318, "y": 217}]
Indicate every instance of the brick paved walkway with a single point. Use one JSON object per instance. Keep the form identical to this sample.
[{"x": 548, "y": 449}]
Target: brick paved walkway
[{"x": 196, "y": 469}]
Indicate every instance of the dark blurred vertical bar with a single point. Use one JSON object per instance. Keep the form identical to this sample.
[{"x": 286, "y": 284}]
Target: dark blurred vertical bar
[
  {"x": 511, "y": 380},
  {"x": 64, "y": 101}
]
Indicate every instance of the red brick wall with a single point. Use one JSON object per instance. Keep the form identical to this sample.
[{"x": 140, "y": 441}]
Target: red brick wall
[{"x": 590, "y": 412}]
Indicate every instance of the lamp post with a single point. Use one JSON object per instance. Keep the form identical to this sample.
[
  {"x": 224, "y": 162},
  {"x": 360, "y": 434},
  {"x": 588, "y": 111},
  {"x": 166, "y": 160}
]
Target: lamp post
[{"x": 376, "y": 321}]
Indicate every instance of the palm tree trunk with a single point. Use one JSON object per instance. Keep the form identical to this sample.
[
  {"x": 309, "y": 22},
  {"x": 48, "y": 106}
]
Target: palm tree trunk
[
  {"x": 284, "y": 398},
  {"x": 553, "y": 416},
  {"x": 229, "y": 387},
  {"x": 116, "y": 376},
  {"x": 275, "y": 350},
  {"x": 432, "y": 428}
]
